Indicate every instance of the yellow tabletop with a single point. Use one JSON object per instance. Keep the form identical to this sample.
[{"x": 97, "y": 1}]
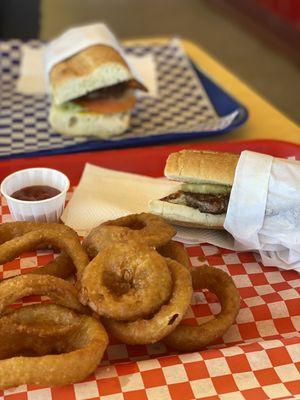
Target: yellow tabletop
[{"x": 264, "y": 122}]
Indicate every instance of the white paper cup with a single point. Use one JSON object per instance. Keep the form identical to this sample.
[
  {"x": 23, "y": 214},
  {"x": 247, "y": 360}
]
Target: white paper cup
[{"x": 48, "y": 210}]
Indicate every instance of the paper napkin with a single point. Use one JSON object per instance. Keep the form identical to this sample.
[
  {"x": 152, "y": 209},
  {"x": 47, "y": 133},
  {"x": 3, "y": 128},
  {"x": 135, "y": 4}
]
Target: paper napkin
[
  {"x": 31, "y": 79},
  {"x": 104, "y": 194}
]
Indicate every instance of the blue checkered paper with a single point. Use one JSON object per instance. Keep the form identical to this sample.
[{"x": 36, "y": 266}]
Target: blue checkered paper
[{"x": 181, "y": 107}]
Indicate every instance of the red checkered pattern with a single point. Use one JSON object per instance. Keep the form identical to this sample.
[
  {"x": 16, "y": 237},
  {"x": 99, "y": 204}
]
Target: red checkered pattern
[{"x": 257, "y": 359}]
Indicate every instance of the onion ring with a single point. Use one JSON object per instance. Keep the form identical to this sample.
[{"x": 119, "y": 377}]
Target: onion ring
[
  {"x": 193, "y": 338},
  {"x": 80, "y": 350},
  {"x": 32, "y": 321},
  {"x": 61, "y": 267},
  {"x": 59, "y": 290},
  {"x": 145, "y": 331},
  {"x": 18, "y": 237},
  {"x": 176, "y": 251},
  {"x": 146, "y": 228},
  {"x": 126, "y": 281}
]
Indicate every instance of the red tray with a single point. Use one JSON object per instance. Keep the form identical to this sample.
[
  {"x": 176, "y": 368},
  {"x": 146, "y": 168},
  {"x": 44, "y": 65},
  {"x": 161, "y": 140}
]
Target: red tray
[
  {"x": 258, "y": 358},
  {"x": 147, "y": 160}
]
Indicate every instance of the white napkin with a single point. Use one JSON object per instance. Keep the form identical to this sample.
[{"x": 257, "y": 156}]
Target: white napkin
[
  {"x": 36, "y": 63},
  {"x": 104, "y": 194},
  {"x": 31, "y": 78}
]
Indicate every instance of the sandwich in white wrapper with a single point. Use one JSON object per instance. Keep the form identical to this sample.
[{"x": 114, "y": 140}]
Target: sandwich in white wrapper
[
  {"x": 91, "y": 84},
  {"x": 255, "y": 197}
]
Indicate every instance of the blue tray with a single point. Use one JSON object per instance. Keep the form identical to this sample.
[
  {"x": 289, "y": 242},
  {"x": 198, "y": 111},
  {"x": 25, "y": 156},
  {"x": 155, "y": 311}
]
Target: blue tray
[
  {"x": 175, "y": 79},
  {"x": 223, "y": 102}
]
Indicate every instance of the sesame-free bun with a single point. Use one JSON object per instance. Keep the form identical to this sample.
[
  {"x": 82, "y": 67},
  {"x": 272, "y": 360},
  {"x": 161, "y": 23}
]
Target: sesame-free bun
[
  {"x": 202, "y": 166},
  {"x": 183, "y": 215},
  {"x": 76, "y": 123},
  {"x": 93, "y": 68}
]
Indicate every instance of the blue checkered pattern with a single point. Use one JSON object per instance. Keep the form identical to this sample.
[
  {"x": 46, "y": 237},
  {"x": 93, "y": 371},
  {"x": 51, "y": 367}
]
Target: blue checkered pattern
[{"x": 182, "y": 104}]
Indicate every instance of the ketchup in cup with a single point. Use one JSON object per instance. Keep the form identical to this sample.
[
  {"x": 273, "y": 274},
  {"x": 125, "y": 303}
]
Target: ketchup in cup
[{"x": 36, "y": 194}]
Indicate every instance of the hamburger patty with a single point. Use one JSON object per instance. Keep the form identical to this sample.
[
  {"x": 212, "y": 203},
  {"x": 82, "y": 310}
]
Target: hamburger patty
[{"x": 204, "y": 202}]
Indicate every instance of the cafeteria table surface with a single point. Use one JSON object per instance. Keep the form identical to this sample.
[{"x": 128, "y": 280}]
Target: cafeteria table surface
[
  {"x": 265, "y": 121},
  {"x": 258, "y": 357}
]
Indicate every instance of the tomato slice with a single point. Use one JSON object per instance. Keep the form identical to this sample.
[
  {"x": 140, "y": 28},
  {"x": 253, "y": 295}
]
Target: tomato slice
[{"x": 109, "y": 105}]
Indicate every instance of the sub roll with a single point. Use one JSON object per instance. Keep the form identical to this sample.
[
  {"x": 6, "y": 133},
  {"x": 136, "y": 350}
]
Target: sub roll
[
  {"x": 206, "y": 180},
  {"x": 92, "y": 93}
]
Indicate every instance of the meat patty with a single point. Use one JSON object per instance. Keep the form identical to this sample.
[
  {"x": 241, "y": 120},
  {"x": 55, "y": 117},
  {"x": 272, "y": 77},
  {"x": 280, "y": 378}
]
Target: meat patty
[
  {"x": 208, "y": 203},
  {"x": 204, "y": 202}
]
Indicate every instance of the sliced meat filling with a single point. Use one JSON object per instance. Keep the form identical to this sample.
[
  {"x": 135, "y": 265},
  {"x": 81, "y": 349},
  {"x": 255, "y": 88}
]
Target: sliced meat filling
[
  {"x": 116, "y": 90},
  {"x": 204, "y": 202}
]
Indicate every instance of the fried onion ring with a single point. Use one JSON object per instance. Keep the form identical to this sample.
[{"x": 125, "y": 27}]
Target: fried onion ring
[
  {"x": 193, "y": 338},
  {"x": 18, "y": 237},
  {"x": 60, "y": 291},
  {"x": 32, "y": 321},
  {"x": 145, "y": 331},
  {"x": 146, "y": 228},
  {"x": 126, "y": 281},
  {"x": 54, "y": 360},
  {"x": 61, "y": 267},
  {"x": 176, "y": 251}
]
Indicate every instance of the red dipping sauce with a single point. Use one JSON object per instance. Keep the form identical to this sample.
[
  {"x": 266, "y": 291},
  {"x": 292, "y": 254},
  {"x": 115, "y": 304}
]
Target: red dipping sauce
[{"x": 35, "y": 193}]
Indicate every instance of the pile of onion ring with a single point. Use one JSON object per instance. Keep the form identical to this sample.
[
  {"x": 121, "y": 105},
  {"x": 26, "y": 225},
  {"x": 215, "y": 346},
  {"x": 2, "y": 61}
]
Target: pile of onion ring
[
  {"x": 46, "y": 344},
  {"x": 131, "y": 276},
  {"x": 140, "y": 283}
]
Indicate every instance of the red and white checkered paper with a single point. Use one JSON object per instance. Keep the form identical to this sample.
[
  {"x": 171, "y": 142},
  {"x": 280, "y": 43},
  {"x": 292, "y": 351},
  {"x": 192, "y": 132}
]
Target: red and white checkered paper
[{"x": 257, "y": 359}]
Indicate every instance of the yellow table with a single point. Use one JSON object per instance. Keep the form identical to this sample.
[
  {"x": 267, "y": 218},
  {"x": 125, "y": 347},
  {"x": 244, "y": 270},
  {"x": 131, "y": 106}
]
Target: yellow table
[{"x": 264, "y": 122}]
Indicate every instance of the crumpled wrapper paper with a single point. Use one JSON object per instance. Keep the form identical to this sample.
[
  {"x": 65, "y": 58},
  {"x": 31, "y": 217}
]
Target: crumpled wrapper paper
[{"x": 264, "y": 209}]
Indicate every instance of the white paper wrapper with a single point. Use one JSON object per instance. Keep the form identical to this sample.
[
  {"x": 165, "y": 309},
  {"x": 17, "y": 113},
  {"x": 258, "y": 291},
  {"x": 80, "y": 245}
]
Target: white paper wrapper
[
  {"x": 248, "y": 198},
  {"x": 77, "y": 39},
  {"x": 194, "y": 236},
  {"x": 264, "y": 209}
]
